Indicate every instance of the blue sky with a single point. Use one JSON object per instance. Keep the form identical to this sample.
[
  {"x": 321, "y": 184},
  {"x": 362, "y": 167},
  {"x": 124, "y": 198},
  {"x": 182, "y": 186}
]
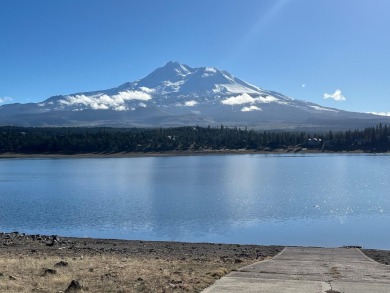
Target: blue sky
[{"x": 305, "y": 49}]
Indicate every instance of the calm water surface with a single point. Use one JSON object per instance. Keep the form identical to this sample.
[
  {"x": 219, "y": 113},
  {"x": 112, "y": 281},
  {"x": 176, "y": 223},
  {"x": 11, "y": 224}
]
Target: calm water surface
[{"x": 321, "y": 200}]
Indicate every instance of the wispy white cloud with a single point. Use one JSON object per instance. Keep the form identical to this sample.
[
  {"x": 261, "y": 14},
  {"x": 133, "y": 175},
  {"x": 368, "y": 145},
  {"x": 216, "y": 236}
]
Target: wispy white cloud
[
  {"x": 190, "y": 103},
  {"x": 380, "y": 113},
  {"x": 133, "y": 95},
  {"x": 250, "y": 109},
  {"x": 247, "y": 99},
  {"x": 146, "y": 89},
  {"x": 267, "y": 99},
  {"x": 121, "y": 108},
  {"x": 104, "y": 102},
  {"x": 238, "y": 100},
  {"x": 5, "y": 100},
  {"x": 337, "y": 96}
]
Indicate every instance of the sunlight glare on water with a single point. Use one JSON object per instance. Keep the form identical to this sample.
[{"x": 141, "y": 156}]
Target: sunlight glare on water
[{"x": 321, "y": 200}]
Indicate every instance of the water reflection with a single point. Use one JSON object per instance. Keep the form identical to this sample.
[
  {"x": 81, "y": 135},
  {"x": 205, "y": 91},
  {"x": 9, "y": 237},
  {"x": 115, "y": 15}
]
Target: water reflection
[{"x": 265, "y": 199}]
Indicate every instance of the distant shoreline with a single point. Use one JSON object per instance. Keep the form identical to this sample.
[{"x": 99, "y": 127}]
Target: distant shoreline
[{"x": 178, "y": 153}]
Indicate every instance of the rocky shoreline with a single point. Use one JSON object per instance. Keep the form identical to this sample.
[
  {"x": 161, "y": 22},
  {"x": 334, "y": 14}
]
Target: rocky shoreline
[
  {"x": 16, "y": 241},
  {"x": 40, "y": 263}
]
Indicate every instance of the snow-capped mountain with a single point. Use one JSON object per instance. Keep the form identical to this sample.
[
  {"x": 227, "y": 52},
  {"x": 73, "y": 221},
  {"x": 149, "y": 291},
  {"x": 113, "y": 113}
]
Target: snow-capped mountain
[
  {"x": 174, "y": 85},
  {"x": 177, "y": 94}
]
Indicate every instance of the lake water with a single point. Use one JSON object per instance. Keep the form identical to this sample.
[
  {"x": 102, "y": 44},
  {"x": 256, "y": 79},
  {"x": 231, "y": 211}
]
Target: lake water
[{"x": 319, "y": 200}]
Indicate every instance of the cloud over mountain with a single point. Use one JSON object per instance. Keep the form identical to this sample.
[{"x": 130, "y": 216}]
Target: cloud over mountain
[
  {"x": 5, "y": 100},
  {"x": 104, "y": 101},
  {"x": 337, "y": 96},
  {"x": 177, "y": 95}
]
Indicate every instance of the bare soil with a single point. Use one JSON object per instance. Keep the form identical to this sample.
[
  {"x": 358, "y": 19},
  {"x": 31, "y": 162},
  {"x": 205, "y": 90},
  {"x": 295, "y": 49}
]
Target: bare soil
[{"x": 37, "y": 263}]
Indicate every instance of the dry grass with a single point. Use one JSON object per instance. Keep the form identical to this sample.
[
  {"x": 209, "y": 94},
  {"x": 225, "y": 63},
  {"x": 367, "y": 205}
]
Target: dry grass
[
  {"x": 29, "y": 263},
  {"x": 110, "y": 273}
]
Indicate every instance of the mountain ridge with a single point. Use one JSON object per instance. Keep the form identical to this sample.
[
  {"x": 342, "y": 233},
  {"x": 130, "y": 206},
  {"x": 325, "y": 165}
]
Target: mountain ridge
[{"x": 177, "y": 95}]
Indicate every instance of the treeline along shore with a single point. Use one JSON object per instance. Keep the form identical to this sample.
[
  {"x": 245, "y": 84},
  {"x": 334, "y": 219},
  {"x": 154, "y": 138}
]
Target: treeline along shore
[{"x": 84, "y": 140}]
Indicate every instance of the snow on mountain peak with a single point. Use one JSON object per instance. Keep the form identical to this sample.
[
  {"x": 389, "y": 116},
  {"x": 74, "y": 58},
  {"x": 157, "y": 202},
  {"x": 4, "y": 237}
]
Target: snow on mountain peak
[
  {"x": 175, "y": 84},
  {"x": 210, "y": 70},
  {"x": 179, "y": 68},
  {"x": 177, "y": 94},
  {"x": 171, "y": 72},
  {"x": 175, "y": 77}
]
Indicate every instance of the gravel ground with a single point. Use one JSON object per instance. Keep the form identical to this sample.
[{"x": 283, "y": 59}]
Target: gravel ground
[
  {"x": 32, "y": 263},
  {"x": 39, "y": 263}
]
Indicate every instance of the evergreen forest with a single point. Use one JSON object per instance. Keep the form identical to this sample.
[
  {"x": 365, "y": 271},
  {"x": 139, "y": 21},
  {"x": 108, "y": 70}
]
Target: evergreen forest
[{"x": 29, "y": 140}]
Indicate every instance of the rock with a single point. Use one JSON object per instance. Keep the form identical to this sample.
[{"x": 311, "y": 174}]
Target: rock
[
  {"x": 49, "y": 272},
  {"x": 259, "y": 256},
  {"x": 36, "y": 237},
  {"x": 53, "y": 241},
  {"x": 61, "y": 264},
  {"x": 12, "y": 278},
  {"x": 74, "y": 286}
]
